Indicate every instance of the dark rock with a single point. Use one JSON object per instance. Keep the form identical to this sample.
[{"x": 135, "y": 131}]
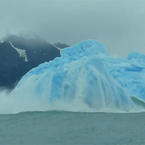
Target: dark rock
[{"x": 18, "y": 55}]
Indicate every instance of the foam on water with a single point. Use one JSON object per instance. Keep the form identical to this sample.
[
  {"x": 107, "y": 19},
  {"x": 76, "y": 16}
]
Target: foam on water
[{"x": 84, "y": 78}]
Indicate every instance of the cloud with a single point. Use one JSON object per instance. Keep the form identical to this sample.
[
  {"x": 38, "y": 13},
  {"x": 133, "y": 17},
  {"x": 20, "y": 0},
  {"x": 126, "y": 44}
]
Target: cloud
[{"x": 120, "y": 25}]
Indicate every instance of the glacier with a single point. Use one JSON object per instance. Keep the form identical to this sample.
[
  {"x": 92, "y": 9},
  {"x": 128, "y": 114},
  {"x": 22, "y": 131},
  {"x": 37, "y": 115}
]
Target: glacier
[{"x": 86, "y": 78}]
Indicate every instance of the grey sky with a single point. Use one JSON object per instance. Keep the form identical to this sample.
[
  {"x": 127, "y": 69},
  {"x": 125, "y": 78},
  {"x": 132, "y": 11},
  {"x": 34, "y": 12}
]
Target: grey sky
[{"x": 119, "y": 24}]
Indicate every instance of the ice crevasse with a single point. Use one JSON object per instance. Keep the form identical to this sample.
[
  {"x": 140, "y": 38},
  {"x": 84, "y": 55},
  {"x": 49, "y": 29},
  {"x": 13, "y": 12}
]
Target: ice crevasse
[{"x": 86, "y": 77}]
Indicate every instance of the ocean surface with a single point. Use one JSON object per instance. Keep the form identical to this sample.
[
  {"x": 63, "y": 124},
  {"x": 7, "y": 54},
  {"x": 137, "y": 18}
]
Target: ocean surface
[{"x": 68, "y": 128}]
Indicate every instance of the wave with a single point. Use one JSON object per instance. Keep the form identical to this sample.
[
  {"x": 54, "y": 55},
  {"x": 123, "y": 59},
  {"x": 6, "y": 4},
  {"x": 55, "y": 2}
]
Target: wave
[{"x": 15, "y": 104}]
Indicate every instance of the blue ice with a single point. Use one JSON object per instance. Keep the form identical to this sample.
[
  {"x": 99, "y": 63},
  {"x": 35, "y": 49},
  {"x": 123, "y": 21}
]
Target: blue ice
[{"x": 86, "y": 75}]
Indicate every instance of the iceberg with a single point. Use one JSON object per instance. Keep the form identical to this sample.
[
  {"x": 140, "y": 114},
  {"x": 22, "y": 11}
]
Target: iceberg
[{"x": 86, "y": 78}]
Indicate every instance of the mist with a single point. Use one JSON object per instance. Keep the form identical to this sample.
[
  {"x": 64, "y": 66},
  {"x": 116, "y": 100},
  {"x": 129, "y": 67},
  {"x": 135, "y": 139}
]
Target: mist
[{"x": 120, "y": 25}]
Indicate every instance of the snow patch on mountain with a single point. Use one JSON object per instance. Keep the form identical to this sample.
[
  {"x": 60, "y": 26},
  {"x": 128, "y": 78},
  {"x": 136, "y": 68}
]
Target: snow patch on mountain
[{"x": 22, "y": 53}]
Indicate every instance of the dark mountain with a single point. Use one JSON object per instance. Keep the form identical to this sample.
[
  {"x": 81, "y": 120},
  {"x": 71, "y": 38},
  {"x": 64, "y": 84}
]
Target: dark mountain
[{"x": 18, "y": 55}]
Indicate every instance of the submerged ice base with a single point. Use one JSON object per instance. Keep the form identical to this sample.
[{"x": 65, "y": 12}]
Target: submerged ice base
[{"x": 86, "y": 77}]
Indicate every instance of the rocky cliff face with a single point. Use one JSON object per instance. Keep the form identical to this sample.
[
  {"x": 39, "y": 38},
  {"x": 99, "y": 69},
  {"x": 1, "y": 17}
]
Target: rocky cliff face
[{"x": 18, "y": 55}]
